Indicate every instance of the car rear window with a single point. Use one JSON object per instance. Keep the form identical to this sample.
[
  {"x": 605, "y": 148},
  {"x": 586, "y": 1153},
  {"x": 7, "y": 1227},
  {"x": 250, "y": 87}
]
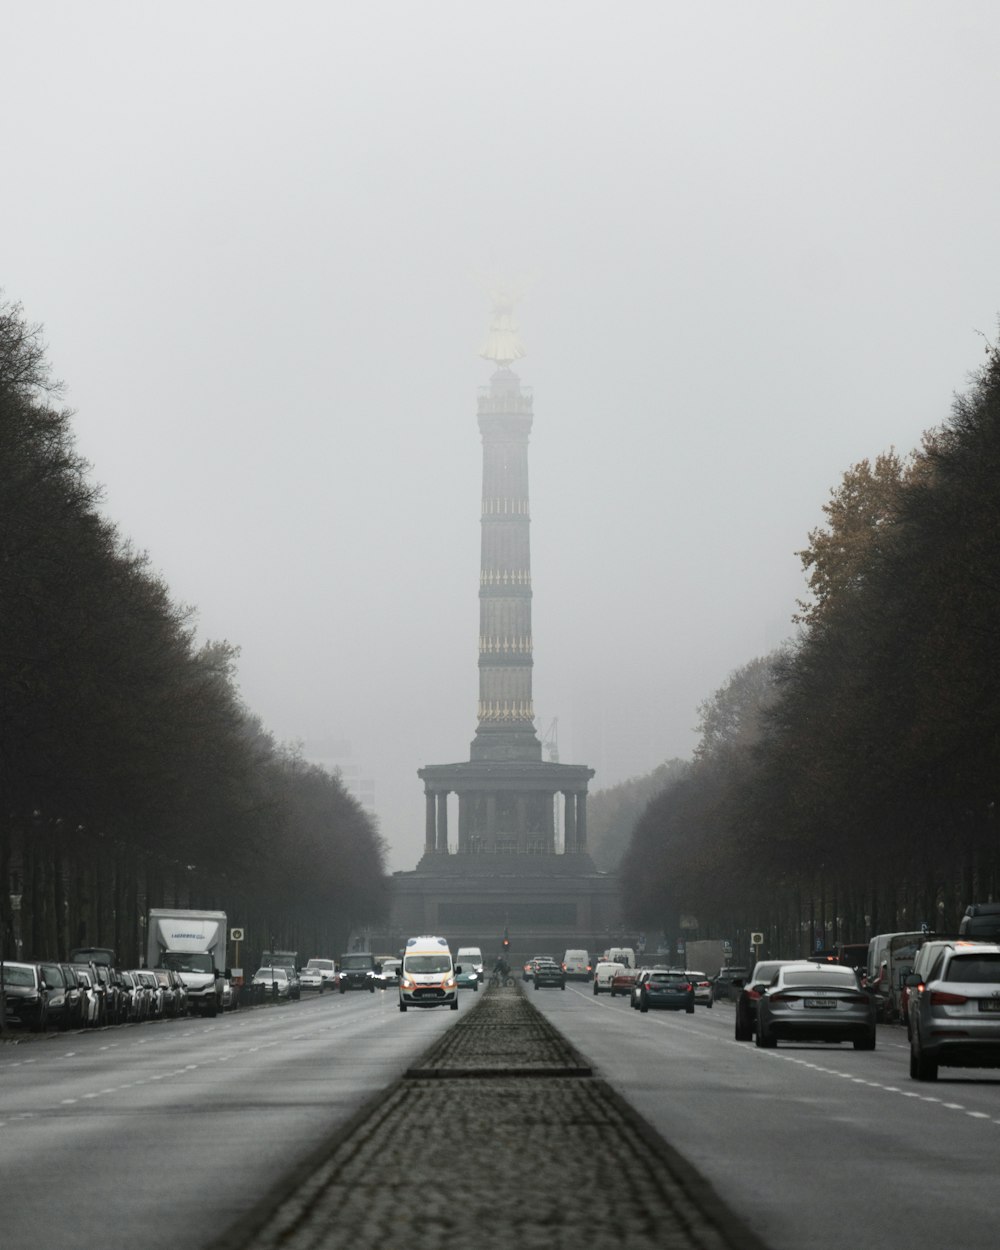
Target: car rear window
[
  {"x": 977, "y": 969},
  {"x": 836, "y": 980}
]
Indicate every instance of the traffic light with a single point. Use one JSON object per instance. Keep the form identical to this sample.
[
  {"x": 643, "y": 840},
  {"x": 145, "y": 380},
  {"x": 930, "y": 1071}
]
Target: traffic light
[{"x": 505, "y": 943}]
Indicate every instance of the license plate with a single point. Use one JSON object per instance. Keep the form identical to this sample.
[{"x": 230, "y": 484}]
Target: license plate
[
  {"x": 989, "y": 1004},
  {"x": 826, "y": 1003}
]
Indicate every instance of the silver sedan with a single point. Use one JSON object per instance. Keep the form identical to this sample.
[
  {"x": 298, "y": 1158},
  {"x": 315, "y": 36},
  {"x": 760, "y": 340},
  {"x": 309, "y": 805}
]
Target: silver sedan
[{"x": 810, "y": 1002}]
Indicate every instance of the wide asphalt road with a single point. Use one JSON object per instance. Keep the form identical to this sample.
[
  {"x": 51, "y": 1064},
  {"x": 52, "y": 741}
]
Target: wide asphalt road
[
  {"x": 160, "y": 1135},
  {"x": 818, "y": 1146}
]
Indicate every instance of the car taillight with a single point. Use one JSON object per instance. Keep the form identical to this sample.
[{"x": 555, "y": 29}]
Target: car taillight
[
  {"x": 704, "y": 985},
  {"x": 855, "y": 998},
  {"x": 752, "y": 993},
  {"x": 783, "y": 998},
  {"x": 939, "y": 998}
]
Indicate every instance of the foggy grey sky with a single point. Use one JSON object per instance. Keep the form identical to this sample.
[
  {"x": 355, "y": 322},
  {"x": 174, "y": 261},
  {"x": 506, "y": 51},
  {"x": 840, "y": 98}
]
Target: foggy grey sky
[{"x": 760, "y": 238}]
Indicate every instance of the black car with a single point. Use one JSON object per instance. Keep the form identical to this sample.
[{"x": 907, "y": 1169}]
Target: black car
[
  {"x": 26, "y": 996},
  {"x": 548, "y": 972},
  {"x": 63, "y": 999},
  {"x": 357, "y": 972},
  {"x": 728, "y": 983}
]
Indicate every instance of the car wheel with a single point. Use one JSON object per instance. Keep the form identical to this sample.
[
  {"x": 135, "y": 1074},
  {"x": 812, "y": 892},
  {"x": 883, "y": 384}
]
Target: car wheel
[
  {"x": 536, "y": 985},
  {"x": 690, "y": 1009},
  {"x": 612, "y": 991},
  {"x": 402, "y": 1006},
  {"x": 595, "y": 989},
  {"x": 744, "y": 1030},
  {"x": 563, "y": 986},
  {"x": 645, "y": 1006},
  {"x": 921, "y": 1068},
  {"x": 865, "y": 1043},
  {"x": 709, "y": 1003},
  {"x": 764, "y": 1040},
  {"x": 342, "y": 990},
  {"x": 454, "y": 1005}
]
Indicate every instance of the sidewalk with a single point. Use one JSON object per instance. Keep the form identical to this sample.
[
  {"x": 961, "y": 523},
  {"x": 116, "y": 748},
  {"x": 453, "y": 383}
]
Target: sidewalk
[{"x": 502, "y": 1094}]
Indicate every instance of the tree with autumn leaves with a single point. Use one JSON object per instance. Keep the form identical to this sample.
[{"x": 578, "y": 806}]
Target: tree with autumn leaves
[{"x": 860, "y": 794}]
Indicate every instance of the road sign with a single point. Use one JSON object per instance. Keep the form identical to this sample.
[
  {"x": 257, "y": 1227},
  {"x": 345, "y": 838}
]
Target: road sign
[
  {"x": 236, "y": 935},
  {"x": 756, "y": 939}
]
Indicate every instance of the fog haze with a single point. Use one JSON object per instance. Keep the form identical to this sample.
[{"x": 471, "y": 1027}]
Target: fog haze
[{"x": 757, "y": 243}]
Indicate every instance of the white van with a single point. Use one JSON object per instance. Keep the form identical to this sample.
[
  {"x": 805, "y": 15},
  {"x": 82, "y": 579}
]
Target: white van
[
  {"x": 427, "y": 977},
  {"x": 622, "y": 955},
  {"x": 577, "y": 966}
]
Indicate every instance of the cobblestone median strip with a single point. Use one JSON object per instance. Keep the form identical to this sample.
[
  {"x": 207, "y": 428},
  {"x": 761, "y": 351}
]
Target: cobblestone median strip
[{"x": 466, "y": 1152}]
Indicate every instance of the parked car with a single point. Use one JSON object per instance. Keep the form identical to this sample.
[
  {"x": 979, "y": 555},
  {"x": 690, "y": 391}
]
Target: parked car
[
  {"x": 275, "y": 981},
  {"x": 136, "y": 994},
  {"x": 764, "y": 972},
  {"x": 669, "y": 989},
  {"x": 548, "y": 972},
  {"x": 26, "y": 996},
  {"x": 76, "y": 997},
  {"x": 703, "y": 995},
  {"x": 603, "y": 974},
  {"x": 62, "y": 998},
  {"x": 810, "y": 1002},
  {"x": 92, "y": 997},
  {"x": 955, "y": 1012}
]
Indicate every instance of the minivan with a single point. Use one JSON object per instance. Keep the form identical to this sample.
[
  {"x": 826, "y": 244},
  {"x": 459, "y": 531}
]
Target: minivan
[
  {"x": 427, "y": 977},
  {"x": 577, "y": 966}
]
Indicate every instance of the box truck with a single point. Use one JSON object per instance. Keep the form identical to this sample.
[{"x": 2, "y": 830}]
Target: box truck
[{"x": 193, "y": 944}]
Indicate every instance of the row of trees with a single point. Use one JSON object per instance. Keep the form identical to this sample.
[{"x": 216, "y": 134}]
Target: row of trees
[
  {"x": 848, "y": 783},
  {"x": 130, "y": 772}
]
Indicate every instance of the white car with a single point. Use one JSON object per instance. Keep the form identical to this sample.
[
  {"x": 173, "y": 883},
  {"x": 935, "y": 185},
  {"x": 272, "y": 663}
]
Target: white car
[
  {"x": 327, "y": 969},
  {"x": 703, "y": 995},
  {"x": 312, "y": 979},
  {"x": 603, "y": 974},
  {"x": 275, "y": 982}
]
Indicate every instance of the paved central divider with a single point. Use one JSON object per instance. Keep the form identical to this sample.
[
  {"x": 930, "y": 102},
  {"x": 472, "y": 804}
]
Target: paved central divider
[{"x": 499, "y": 1136}]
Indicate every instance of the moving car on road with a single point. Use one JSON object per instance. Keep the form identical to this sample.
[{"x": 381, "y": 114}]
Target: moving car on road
[
  {"x": 548, "y": 972},
  {"x": 810, "y": 1002},
  {"x": 577, "y": 965},
  {"x": 671, "y": 990},
  {"x": 764, "y": 972},
  {"x": 703, "y": 995},
  {"x": 427, "y": 978},
  {"x": 603, "y": 974},
  {"x": 955, "y": 1012}
]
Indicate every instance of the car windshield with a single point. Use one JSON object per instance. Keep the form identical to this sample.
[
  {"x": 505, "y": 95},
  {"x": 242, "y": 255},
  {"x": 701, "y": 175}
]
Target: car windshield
[
  {"x": 188, "y": 961},
  {"x": 668, "y": 978},
  {"x": 974, "y": 969},
  {"x": 427, "y": 963},
  {"x": 18, "y": 976},
  {"x": 320, "y": 965},
  {"x": 356, "y": 962}
]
